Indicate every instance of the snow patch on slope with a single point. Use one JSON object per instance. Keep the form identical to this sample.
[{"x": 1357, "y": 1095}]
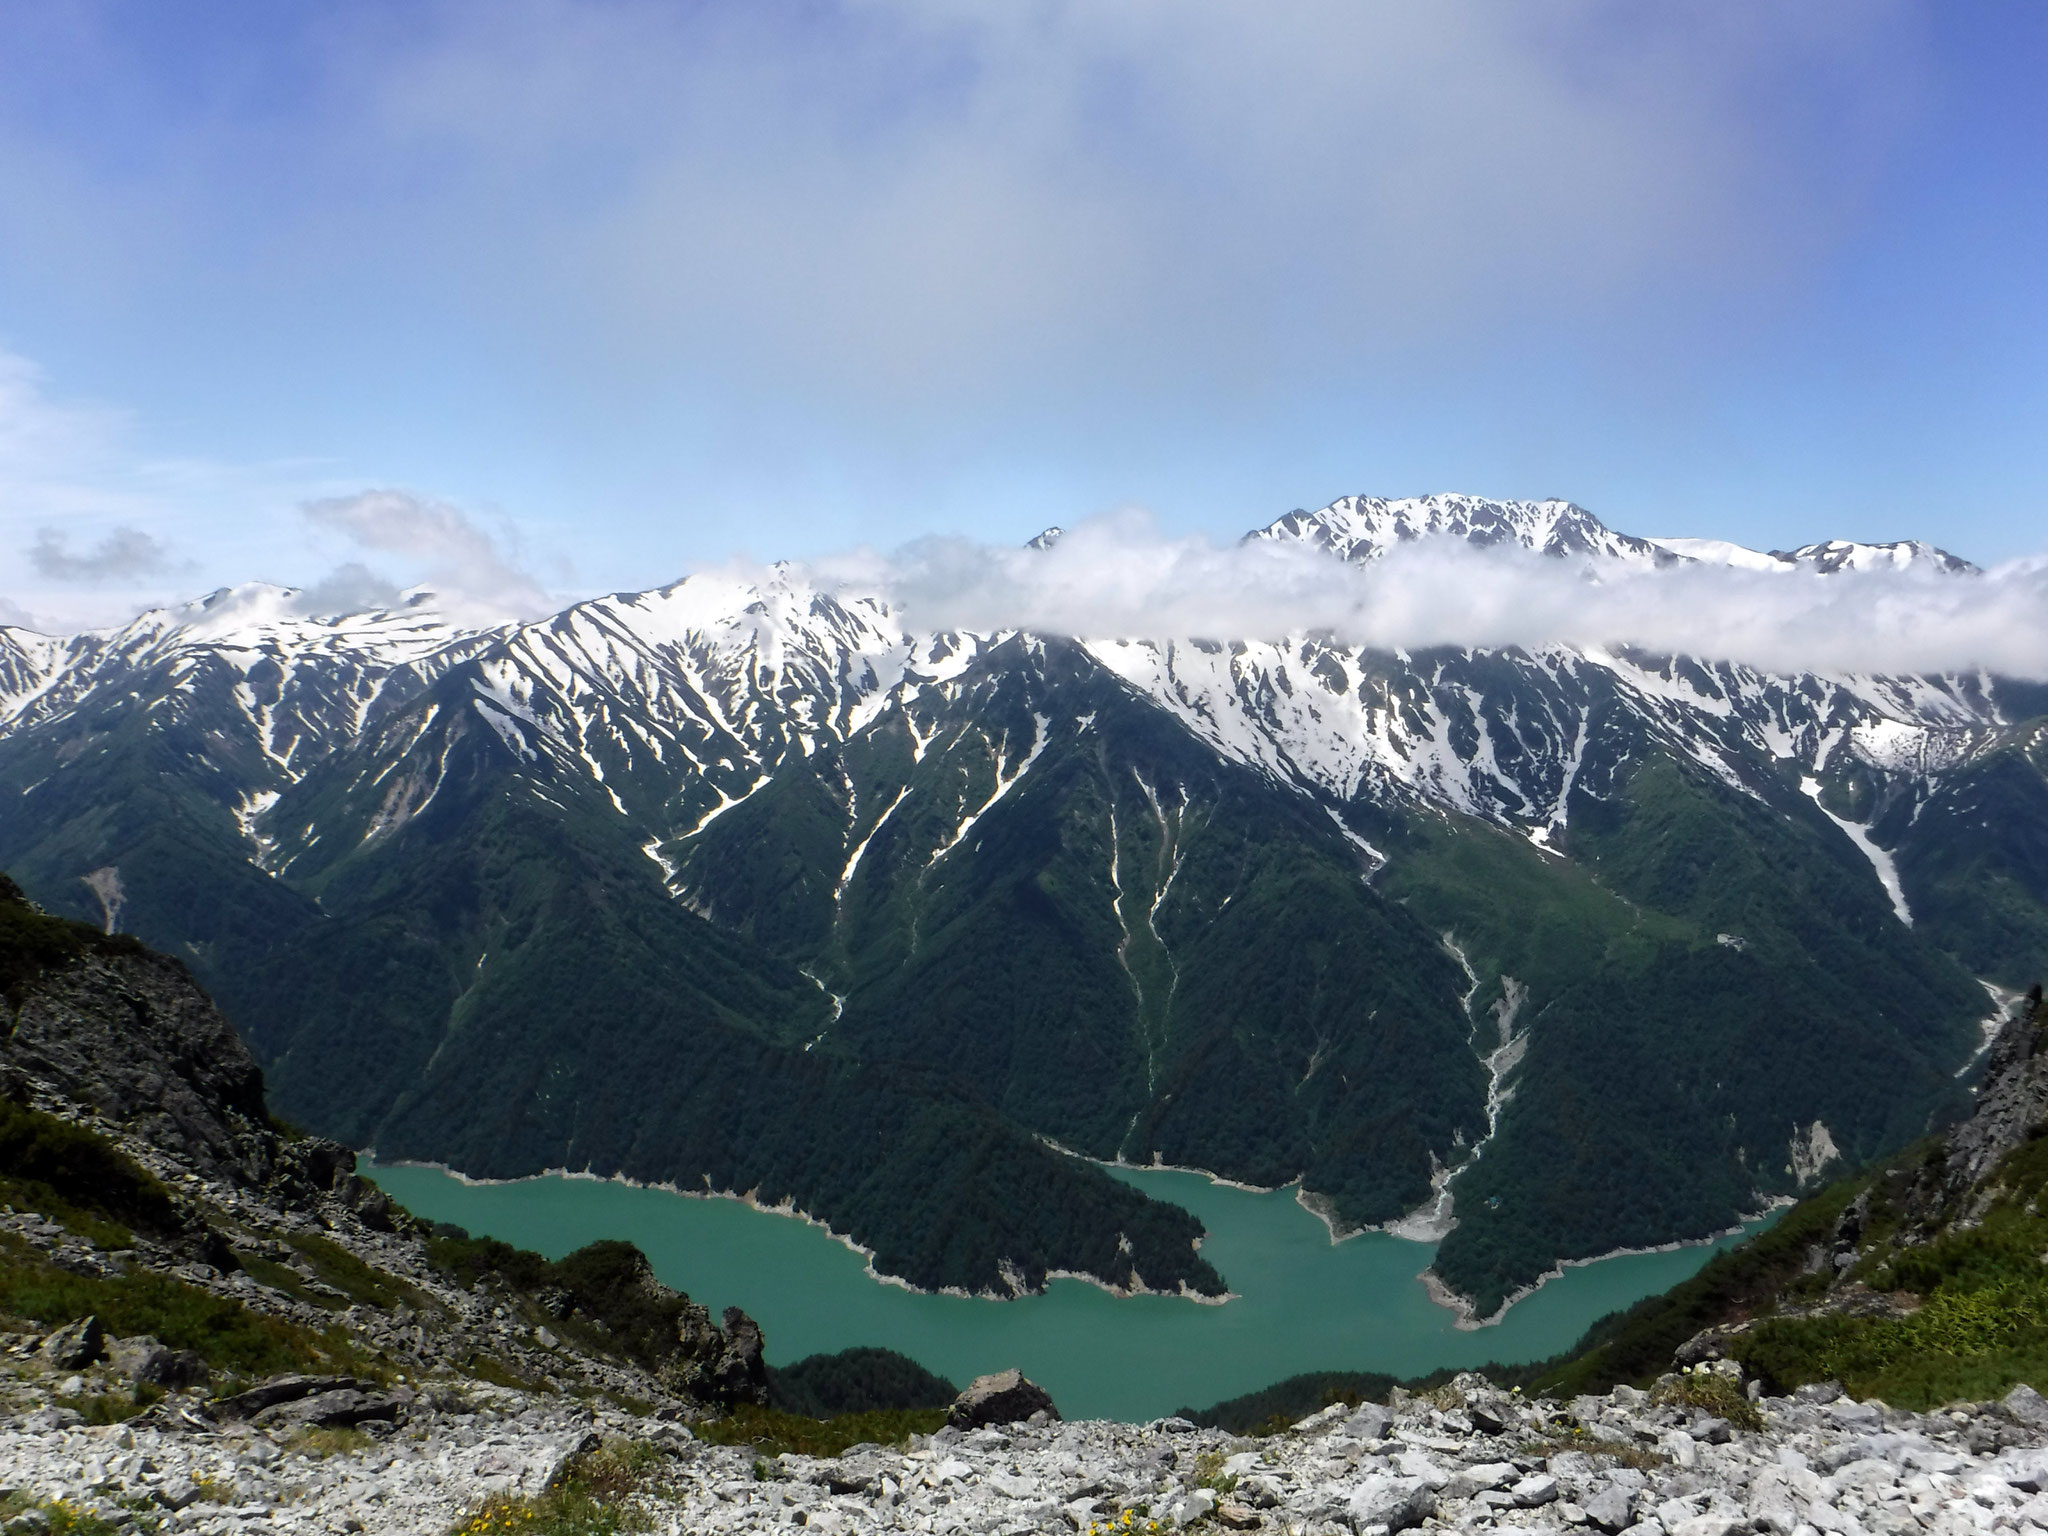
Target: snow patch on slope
[{"x": 1881, "y": 861}]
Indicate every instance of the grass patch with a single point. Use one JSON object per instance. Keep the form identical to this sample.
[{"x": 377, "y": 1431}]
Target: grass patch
[
  {"x": 282, "y": 1277},
  {"x": 591, "y": 1500},
  {"x": 1642, "y": 1458},
  {"x": 558, "y": 1512},
  {"x": 772, "y": 1432},
  {"x": 78, "y": 1178},
  {"x": 1135, "y": 1521},
  {"x": 227, "y": 1335},
  {"x": 1710, "y": 1393},
  {"x": 336, "y": 1266},
  {"x": 60, "y": 1516},
  {"x": 346, "y": 1441},
  {"x": 34, "y": 1195},
  {"x": 490, "y": 1368},
  {"x": 1209, "y": 1473},
  {"x": 113, "y": 1407},
  {"x": 1982, "y": 1324}
]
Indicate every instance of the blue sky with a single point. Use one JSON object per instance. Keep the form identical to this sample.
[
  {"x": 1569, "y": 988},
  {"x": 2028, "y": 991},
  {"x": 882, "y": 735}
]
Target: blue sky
[{"x": 606, "y": 290}]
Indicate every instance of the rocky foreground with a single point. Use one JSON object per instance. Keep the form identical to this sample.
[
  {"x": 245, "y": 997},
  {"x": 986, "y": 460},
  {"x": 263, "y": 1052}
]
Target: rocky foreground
[{"x": 1467, "y": 1457}]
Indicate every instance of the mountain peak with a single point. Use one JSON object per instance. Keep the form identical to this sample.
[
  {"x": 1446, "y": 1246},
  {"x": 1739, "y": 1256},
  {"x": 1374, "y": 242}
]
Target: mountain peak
[
  {"x": 1900, "y": 554},
  {"x": 1825, "y": 558},
  {"x": 1366, "y": 527}
]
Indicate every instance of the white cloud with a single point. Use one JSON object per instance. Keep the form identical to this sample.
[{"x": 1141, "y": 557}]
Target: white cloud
[
  {"x": 122, "y": 555},
  {"x": 1119, "y": 577},
  {"x": 473, "y": 578},
  {"x": 105, "y": 528}
]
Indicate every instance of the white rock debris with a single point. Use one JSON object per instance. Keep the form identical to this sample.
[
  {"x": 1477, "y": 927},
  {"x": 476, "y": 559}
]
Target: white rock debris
[{"x": 1465, "y": 1458}]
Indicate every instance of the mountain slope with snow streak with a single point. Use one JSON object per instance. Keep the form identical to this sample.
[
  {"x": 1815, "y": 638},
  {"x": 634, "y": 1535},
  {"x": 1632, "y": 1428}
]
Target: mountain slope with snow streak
[{"x": 501, "y": 896}]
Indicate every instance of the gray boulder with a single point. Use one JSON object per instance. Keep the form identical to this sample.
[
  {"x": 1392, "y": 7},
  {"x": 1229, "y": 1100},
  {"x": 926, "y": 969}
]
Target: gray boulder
[
  {"x": 1490, "y": 1413},
  {"x": 279, "y": 1389},
  {"x": 177, "y": 1492},
  {"x": 75, "y": 1346},
  {"x": 146, "y": 1362},
  {"x": 1394, "y": 1502},
  {"x": 343, "y": 1408},
  {"x": 2023, "y": 1405},
  {"x": 1609, "y": 1509},
  {"x": 1368, "y": 1423},
  {"x": 1850, "y": 1414},
  {"x": 1190, "y": 1507},
  {"x": 1005, "y": 1397}
]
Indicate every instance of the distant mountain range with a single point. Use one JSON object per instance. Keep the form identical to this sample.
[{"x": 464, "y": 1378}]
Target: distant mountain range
[{"x": 743, "y": 885}]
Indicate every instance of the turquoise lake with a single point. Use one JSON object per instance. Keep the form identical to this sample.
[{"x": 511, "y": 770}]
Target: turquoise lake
[{"x": 1302, "y": 1303}]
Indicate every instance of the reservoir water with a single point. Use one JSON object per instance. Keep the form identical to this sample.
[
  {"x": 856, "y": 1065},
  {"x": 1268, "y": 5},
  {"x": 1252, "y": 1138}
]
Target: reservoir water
[{"x": 1302, "y": 1303}]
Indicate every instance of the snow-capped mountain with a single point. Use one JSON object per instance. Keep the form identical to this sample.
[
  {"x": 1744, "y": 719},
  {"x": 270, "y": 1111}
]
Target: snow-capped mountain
[
  {"x": 1281, "y": 909},
  {"x": 1825, "y": 558},
  {"x": 1367, "y": 527}
]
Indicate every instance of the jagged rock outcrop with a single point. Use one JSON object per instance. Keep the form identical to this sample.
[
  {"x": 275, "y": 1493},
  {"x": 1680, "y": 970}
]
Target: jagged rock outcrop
[
  {"x": 2012, "y": 1104},
  {"x": 721, "y": 1364},
  {"x": 126, "y": 1033}
]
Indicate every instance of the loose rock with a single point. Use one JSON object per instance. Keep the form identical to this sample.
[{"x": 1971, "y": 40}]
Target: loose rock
[{"x": 1005, "y": 1397}]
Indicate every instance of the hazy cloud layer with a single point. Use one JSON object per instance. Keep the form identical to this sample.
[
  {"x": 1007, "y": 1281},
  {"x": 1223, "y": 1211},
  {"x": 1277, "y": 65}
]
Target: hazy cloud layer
[
  {"x": 472, "y": 575},
  {"x": 917, "y": 196},
  {"x": 124, "y": 554},
  {"x": 1119, "y": 577}
]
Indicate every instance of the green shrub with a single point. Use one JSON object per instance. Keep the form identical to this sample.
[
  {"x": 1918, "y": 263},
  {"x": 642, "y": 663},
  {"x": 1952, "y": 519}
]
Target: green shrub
[
  {"x": 337, "y": 1267},
  {"x": 1710, "y": 1393},
  {"x": 772, "y": 1432}
]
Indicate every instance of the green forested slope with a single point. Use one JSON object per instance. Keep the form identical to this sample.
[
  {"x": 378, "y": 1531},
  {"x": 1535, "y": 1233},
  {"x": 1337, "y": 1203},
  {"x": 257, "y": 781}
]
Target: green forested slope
[
  {"x": 1140, "y": 950},
  {"x": 1909, "y": 1281},
  {"x": 1685, "y": 1014},
  {"x": 1974, "y": 859}
]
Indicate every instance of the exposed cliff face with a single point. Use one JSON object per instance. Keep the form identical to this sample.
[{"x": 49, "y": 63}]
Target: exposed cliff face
[
  {"x": 128, "y": 1034},
  {"x": 2012, "y": 1106}
]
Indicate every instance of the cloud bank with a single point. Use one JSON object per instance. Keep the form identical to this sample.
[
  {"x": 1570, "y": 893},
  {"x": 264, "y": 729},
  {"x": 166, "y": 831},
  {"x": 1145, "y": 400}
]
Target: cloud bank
[
  {"x": 473, "y": 577},
  {"x": 1121, "y": 578}
]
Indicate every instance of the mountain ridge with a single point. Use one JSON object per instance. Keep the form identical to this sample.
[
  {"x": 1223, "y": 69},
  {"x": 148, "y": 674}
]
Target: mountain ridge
[{"x": 1236, "y": 905}]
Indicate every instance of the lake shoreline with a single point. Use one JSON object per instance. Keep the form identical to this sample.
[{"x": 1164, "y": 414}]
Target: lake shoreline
[
  {"x": 788, "y": 1207},
  {"x": 1299, "y": 1303}
]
